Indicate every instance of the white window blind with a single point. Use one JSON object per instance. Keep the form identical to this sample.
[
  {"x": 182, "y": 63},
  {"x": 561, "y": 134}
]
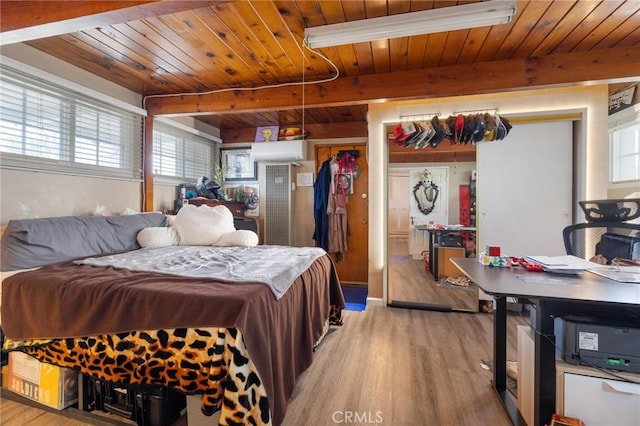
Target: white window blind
[
  {"x": 624, "y": 144},
  {"x": 180, "y": 154},
  {"x": 44, "y": 126}
]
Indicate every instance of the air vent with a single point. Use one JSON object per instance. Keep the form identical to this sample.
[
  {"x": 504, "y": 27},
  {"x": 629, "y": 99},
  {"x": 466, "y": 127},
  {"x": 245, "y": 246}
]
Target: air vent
[{"x": 278, "y": 202}]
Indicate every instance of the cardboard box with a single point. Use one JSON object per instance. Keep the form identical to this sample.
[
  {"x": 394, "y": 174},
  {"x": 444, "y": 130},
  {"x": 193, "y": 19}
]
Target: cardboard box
[
  {"x": 5, "y": 376},
  {"x": 445, "y": 267},
  {"x": 53, "y": 386}
]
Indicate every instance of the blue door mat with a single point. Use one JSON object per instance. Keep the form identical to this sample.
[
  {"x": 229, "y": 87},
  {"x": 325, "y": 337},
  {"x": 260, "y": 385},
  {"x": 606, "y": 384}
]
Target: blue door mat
[{"x": 355, "y": 297}]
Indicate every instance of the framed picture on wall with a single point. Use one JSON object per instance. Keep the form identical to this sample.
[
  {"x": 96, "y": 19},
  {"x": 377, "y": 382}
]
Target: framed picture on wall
[
  {"x": 238, "y": 164},
  {"x": 267, "y": 133}
]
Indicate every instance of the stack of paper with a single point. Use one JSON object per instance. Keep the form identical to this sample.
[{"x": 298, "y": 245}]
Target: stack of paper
[
  {"x": 563, "y": 264},
  {"x": 623, "y": 274}
]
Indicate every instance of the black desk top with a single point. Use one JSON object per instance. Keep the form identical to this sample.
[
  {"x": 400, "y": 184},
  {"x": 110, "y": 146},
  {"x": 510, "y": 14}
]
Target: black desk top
[{"x": 517, "y": 282}]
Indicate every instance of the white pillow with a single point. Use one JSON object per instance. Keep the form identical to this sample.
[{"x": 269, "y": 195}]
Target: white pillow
[
  {"x": 241, "y": 237},
  {"x": 170, "y": 219},
  {"x": 202, "y": 225},
  {"x": 157, "y": 236}
]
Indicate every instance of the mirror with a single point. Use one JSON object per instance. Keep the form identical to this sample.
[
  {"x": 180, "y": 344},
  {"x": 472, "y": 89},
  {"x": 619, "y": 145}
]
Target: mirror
[{"x": 421, "y": 194}]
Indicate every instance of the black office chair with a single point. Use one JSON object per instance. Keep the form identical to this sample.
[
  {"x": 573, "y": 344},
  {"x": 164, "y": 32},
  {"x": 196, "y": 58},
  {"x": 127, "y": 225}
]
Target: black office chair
[{"x": 608, "y": 233}]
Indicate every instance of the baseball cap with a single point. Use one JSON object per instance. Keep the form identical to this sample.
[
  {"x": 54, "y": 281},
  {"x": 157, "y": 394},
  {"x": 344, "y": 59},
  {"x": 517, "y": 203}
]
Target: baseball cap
[
  {"x": 469, "y": 128},
  {"x": 459, "y": 128},
  {"x": 478, "y": 131},
  {"x": 489, "y": 127},
  {"x": 425, "y": 135},
  {"x": 439, "y": 132},
  {"x": 501, "y": 130},
  {"x": 402, "y": 131},
  {"x": 417, "y": 135},
  {"x": 506, "y": 123}
]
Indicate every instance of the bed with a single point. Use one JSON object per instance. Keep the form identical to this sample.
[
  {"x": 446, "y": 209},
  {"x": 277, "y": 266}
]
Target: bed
[{"x": 236, "y": 343}]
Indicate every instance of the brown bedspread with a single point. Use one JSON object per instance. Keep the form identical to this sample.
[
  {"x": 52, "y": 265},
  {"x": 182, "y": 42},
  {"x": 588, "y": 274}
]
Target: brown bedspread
[{"x": 67, "y": 300}]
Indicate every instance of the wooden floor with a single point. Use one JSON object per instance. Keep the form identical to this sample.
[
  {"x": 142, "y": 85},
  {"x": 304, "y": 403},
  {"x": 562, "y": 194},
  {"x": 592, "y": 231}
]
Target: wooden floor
[
  {"x": 410, "y": 282},
  {"x": 386, "y": 366}
]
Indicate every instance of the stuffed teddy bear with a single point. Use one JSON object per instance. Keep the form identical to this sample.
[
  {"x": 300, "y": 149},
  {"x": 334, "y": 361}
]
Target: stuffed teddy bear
[{"x": 198, "y": 226}]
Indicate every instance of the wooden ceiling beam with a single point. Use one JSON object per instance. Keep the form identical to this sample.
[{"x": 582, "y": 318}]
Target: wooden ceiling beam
[
  {"x": 22, "y": 21},
  {"x": 316, "y": 131},
  {"x": 604, "y": 66}
]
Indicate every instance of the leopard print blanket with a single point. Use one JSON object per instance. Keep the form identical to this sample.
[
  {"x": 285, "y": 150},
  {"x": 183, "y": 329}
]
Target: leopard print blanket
[{"x": 213, "y": 362}]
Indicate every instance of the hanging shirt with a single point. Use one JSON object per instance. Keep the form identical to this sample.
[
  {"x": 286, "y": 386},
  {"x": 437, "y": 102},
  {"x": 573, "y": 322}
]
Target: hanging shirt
[
  {"x": 337, "y": 209},
  {"x": 321, "y": 191}
]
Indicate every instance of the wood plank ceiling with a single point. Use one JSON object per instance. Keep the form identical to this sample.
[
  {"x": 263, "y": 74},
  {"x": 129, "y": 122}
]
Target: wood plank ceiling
[{"x": 240, "y": 64}]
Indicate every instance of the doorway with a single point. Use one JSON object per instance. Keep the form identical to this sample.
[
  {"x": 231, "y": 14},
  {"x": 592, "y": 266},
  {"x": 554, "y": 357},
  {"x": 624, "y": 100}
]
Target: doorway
[
  {"x": 410, "y": 282},
  {"x": 352, "y": 265},
  {"x": 422, "y": 189}
]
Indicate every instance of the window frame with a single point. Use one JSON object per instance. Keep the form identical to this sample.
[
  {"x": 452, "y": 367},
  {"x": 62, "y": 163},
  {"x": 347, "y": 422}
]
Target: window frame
[
  {"x": 29, "y": 88},
  {"x": 181, "y": 131},
  {"x": 618, "y": 122}
]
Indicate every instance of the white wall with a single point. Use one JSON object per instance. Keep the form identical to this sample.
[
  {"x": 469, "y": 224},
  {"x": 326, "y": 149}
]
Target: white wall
[
  {"x": 591, "y": 151},
  {"x": 29, "y": 195}
]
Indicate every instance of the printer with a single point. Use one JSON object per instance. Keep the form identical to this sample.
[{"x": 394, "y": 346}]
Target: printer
[{"x": 600, "y": 341}]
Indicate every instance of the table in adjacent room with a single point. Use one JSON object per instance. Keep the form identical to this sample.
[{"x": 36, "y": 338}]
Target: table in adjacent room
[{"x": 433, "y": 234}]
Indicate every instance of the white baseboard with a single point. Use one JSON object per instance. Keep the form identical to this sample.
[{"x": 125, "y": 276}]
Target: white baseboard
[{"x": 375, "y": 301}]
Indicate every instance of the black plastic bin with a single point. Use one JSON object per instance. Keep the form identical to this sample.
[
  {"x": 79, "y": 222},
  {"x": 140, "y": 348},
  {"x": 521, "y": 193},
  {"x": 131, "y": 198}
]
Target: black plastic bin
[{"x": 147, "y": 405}]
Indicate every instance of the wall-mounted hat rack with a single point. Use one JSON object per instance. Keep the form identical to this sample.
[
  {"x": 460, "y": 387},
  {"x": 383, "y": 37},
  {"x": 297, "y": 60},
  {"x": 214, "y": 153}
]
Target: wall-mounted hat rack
[
  {"x": 419, "y": 117},
  {"x": 477, "y": 111},
  {"x": 462, "y": 127}
]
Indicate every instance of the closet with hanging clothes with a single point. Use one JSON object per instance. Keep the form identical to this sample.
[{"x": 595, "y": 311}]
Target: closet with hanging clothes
[{"x": 341, "y": 208}]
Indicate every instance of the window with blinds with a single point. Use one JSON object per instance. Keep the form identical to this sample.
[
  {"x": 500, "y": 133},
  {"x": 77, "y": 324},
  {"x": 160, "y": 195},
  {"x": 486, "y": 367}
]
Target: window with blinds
[
  {"x": 624, "y": 145},
  {"x": 47, "y": 127},
  {"x": 180, "y": 154}
]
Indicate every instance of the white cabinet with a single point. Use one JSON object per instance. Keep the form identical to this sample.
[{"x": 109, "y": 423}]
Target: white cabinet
[
  {"x": 521, "y": 206},
  {"x": 596, "y": 398},
  {"x": 526, "y": 358}
]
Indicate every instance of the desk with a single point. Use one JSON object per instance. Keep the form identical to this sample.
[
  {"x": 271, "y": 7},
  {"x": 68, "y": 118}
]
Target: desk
[
  {"x": 554, "y": 295},
  {"x": 433, "y": 233}
]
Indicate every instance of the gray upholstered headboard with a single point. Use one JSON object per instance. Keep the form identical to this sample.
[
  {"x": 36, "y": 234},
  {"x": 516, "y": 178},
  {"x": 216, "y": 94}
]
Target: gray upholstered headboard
[{"x": 28, "y": 243}]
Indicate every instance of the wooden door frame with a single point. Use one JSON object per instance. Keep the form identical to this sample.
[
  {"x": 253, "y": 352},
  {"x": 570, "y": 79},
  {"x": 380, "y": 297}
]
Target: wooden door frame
[{"x": 362, "y": 147}]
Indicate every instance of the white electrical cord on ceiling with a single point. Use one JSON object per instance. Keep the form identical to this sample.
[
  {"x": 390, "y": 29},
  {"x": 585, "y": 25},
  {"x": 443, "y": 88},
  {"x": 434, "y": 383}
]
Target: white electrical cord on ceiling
[{"x": 270, "y": 86}]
